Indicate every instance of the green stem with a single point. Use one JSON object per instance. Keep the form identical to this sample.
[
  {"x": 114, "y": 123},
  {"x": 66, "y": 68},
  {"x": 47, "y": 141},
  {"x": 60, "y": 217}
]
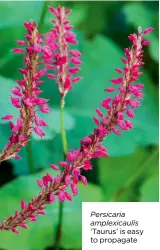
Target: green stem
[
  {"x": 63, "y": 132},
  {"x": 30, "y": 158},
  {"x": 64, "y": 145},
  {"x": 134, "y": 176}
]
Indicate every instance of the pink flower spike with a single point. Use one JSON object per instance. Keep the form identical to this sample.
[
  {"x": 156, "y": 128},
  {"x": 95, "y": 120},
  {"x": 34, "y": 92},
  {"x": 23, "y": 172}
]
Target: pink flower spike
[
  {"x": 147, "y": 31},
  {"x": 7, "y": 117},
  {"x": 18, "y": 51},
  {"x": 54, "y": 167},
  {"x": 117, "y": 80},
  {"x": 27, "y": 92},
  {"x": 39, "y": 131}
]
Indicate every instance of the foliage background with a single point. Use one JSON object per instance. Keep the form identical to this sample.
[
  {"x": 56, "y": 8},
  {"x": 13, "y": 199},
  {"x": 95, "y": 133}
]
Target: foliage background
[{"x": 131, "y": 171}]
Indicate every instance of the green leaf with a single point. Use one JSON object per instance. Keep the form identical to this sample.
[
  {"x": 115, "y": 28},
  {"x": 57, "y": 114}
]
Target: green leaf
[
  {"x": 5, "y": 103},
  {"x": 41, "y": 157},
  {"x": 53, "y": 121},
  {"x": 150, "y": 189},
  {"x": 78, "y": 14},
  {"x": 154, "y": 49},
  {"x": 72, "y": 230},
  {"x": 40, "y": 235},
  {"x": 90, "y": 25},
  {"x": 137, "y": 14},
  {"x": 25, "y": 10},
  {"x": 115, "y": 172}
]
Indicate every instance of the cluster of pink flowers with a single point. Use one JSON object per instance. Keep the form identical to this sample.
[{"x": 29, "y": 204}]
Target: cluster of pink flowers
[
  {"x": 58, "y": 54},
  {"x": 25, "y": 95},
  {"x": 115, "y": 118}
]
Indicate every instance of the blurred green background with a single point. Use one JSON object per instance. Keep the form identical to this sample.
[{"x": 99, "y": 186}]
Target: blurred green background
[{"x": 131, "y": 171}]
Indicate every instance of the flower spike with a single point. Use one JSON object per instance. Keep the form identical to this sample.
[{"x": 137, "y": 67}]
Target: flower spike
[
  {"x": 58, "y": 55},
  {"x": 25, "y": 95}
]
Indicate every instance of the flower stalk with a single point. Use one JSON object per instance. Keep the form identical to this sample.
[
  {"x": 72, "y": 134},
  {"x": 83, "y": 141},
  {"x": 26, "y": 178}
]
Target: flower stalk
[
  {"x": 65, "y": 150},
  {"x": 30, "y": 158}
]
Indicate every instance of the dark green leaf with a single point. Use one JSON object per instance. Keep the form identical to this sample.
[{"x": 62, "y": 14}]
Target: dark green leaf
[
  {"x": 150, "y": 189},
  {"x": 115, "y": 172}
]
